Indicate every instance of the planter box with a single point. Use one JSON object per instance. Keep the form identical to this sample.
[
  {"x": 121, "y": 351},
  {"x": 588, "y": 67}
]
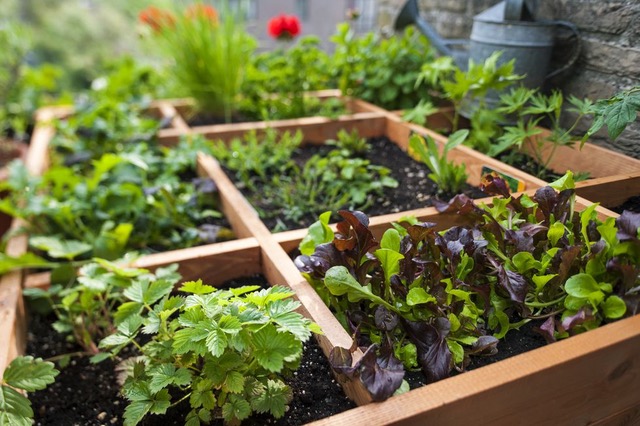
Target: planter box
[
  {"x": 599, "y": 162},
  {"x": 586, "y": 379}
]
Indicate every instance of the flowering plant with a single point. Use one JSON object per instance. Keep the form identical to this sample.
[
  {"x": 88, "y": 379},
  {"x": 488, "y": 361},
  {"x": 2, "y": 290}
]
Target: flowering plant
[
  {"x": 284, "y": 27},
  {"x": 209, "y": 53}
]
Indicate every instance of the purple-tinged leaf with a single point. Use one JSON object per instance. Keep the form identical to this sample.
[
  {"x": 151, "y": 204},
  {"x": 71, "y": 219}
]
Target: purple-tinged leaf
[
  {"x": 434, "y": 355},
  {"x": 551, "y": 202},
  {"x": 419, "y": 231},
  {"x": 460, "y": 204},
  {"x": 205, "y": 185},
  {"x": 317, "y": 265},
  {"x": 514, "y": 284},
  {"x": 628, "y": 225},
  {"x": 566, "y": 263},
  {"x": 493, "y": 184},
  {"x": 628, "y": 273},
  {"x": 353, "y": 233},
  {"x": 547, "y": 330},
  {"x": 381, "y": 375},
  {"x": 580, "y": 317},
  {"x": 208, "y": 233},
  {"x": 385, "y": 319},
  {"x": 485, "y": 345}
]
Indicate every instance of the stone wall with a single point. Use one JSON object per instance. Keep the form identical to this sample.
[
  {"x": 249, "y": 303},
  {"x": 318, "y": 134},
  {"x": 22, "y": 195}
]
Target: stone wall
[{"x": 610, "y": 55}]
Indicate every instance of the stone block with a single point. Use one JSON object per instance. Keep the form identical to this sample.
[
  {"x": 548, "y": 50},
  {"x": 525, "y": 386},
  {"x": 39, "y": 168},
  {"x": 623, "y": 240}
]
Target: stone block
[
  {"x": 605, "y": 16},
  {"x": 610, "y": 58}
]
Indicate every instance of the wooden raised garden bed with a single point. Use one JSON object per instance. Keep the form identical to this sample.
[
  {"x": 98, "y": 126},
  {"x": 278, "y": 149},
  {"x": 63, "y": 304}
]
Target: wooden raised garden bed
[{"x": 587, "y": 379}]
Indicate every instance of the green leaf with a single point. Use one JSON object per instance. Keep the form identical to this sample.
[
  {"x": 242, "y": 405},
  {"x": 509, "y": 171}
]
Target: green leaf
[
  {"x": 318, "y": 233},
  {"x": 119, "y": 270},
  {"x": 273, "y": 348},
  {"x": 15, "y": 408},
  {"x": 581, "y": 285},
  {"x": 524, "y": 261},
  {"x": 27, "y": 260},
  {"x": 30, "y": 374},
  {"x": 390, "y": 262},
  {"x": 236, "y": 408},
  {"x": 565, "y": 182},
  {"x": 166, "y": 374},
  {"x": 234, "y": 382},
  {"x": 391, "y": 240},
  {"x": 58, "y": 248},
  {"x": 340, "y": 282},
  {"x": 294, "y": 323},
  {"x": 618, "y": 116},
  {"x": 272, "y": 398},
  {"x": 216, "y": 342},
  {"x": 156, "y": 291},
  {"x": 135, "y": 412},
  {"x": 418, "y": 295},
  {"x": 196, "y": 287},
  {"x": 555, "y": 232},
  {"x": 614, "y": 307}
]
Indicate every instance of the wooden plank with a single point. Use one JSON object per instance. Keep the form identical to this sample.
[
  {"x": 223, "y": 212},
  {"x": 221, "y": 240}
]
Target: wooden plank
[
  {"x": 316, "y": 129},
  {"x": 610, "y": 191},
  {"x": 630, "y": 416},
  {"x": 12, "y": 319},
  {"x": 167, "y": 110},
  {"x": 562, "y": 378},
  {"x": 38, "y": 156},
  {"x": 598, "y": 161}
]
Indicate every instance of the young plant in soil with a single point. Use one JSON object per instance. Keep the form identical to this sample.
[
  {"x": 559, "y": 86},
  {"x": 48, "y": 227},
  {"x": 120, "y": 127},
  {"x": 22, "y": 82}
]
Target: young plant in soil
[
  {"x": 222, "y": 350},
  {"x": 276, "y": 82},
  {"x": 449, "y": 177},
  {"x": 427, "y": 299},
  {"x": 146, "y": 199},
  {"x": 338, "y": 179},
  {"x": 24, "y": 374}
]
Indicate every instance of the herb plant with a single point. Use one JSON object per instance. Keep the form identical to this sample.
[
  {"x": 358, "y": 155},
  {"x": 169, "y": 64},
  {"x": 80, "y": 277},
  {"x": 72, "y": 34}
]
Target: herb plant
[
  {"x": 209, "y": 52},
  {"x": 433, "y": 299},
  {"x": 24, "y": 374},
  {"x": 616, "y": 112},
  {"x": 449, "y": 177},
  {"x": 378, "y": 70},
  {"x": 267, "y": 169},
  {"x": 137, "y": 200},
  {"x": 223, "y": 351},
  {"x": 276, "y": 82}
]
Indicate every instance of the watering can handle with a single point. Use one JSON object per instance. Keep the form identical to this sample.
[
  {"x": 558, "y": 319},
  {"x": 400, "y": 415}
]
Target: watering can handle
[{"x": 576, "y": 50}]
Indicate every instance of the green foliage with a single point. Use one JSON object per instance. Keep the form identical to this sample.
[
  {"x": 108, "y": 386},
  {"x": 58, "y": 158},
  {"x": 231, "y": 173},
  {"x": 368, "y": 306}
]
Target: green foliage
[
  {"x": 350, "y": 144},
  {"x": 276, "y": 82},
  {"x": 381, "y": 71},
  {"x": 136, "y": 200},
  {"x": 449, "y": 177},
  {"x": 435, "y": 298},
  {"x": 209, "y": 56},
  {"x": 616, "y": 112},
  {"x": 324, "y": 182},
  {"x": 225, "y": 351},
  {"x": 24, "y": 373}
]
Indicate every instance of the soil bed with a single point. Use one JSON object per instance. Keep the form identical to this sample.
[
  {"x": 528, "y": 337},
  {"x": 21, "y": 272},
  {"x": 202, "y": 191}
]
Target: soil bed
[
  {"x": 415, "y": 190},
  {"x": 85, "y": 394},
  {"x": 527, "y": 164},
  {"x": 632, "y": 205}
]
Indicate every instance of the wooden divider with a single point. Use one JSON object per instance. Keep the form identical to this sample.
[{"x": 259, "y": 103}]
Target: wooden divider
[{"x": 610, "y": 191}]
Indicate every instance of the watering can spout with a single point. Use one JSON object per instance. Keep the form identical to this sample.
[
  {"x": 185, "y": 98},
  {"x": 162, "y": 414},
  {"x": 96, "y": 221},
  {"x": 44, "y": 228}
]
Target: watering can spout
[{"x": 410, "y": 15}]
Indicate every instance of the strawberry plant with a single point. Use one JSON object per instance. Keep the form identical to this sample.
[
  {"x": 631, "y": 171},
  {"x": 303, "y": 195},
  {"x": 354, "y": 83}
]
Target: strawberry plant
[
  {"x": 24, "y": 374},
  {"x": 434, "y": 299},
  {"x": 223, "y": 351}
]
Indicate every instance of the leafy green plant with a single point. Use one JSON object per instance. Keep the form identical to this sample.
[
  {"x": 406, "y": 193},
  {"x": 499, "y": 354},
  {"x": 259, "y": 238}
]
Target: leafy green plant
[
  {"x": 616, "y": 112},
  {"x": 433, "y": 299},
  {"x": 24, "y": 374},
  {"x": 381, "y": 71},
  {"x": 85, "y": 304},
  {"x": 350, "y": 144},
  {"x": 449, "y": 177},
  {"x": 137, "y": 200},
  {"x": 276, "y": 82},
  {"x": 283, "y": 189},
  {"x": 223, "y": 351},
  {"x": 210, "y": 53}
]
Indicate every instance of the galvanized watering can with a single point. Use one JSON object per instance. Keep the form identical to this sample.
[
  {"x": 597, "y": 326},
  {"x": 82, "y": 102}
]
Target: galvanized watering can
[{"x": 508, "y": 26}]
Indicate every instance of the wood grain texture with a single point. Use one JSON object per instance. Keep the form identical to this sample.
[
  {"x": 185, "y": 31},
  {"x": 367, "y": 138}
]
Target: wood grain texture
[
  {"x": 610, "y": 191},
  {"x": 167, "y": 110},
  {"x": 598, "y": 161},
  {"x": 578, "y": 381},
  {"x": 12, "y": 319}
]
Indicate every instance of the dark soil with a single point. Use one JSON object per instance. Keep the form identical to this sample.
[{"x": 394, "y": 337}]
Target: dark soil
[
  {"x": 528, "y": 165},
  {"x": 414, "y": 189},
  {"x": 632, "y": 205},
  {"x": 86, "y": 395}
]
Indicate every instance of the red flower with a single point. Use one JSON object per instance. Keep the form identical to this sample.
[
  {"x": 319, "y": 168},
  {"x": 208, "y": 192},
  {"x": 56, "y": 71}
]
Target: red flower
[
  {"x": 199, "y": 10},
  {"x": 284, "y": 27},
  {"x": 156, "y": 18}
]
